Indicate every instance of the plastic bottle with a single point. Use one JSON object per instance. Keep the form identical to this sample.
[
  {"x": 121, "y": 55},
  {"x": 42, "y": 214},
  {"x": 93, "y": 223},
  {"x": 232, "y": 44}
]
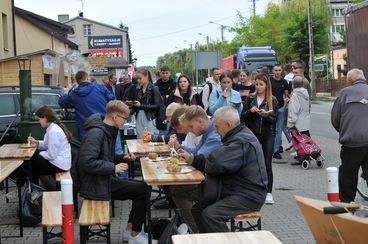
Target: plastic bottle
[{"x": 145, "y": 135}]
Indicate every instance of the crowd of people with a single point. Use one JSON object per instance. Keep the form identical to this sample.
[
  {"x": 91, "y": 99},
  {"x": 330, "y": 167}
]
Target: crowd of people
[{"x": 231, "y": 131}]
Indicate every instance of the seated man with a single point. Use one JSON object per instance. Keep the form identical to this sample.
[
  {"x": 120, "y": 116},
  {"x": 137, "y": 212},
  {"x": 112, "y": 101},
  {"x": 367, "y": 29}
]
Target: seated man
[
  {"x": 96, "y": 170},
  {"x": 240, "y": 164},
  {"x": 193, "y": 119},
  {"x": 200, "y": 125}
]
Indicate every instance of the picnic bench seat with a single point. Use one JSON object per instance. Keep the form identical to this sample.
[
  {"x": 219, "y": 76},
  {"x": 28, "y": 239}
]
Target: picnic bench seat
[
  {"x": 51, "y": 214},
  {"x": 94, "y": 213},
  {"x": 249, "y": 218}
]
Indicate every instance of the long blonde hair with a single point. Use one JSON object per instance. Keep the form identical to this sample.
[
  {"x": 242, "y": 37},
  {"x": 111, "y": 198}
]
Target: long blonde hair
[{"x": 268, "y": 93}]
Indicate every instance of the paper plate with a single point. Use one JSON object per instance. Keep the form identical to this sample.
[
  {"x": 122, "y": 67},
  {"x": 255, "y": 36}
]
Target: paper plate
[{"x": 182, "y": 171}]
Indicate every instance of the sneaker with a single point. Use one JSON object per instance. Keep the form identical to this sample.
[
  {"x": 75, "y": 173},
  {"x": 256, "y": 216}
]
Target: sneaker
[
  {"x": 277, "y": 155},
  {"x": 281, "y": 149},
  {"x": 126, "y": 234},
  {"x": 269, "y": 199},
  {"x": 141, "y": 238},
  {"x": 293, "y": 154}
]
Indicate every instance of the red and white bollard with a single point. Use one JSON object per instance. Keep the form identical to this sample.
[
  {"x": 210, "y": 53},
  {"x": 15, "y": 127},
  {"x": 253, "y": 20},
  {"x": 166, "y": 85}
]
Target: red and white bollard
[
  {"x": 67, "y": 210},
  {"x": 333, "y": 184}
]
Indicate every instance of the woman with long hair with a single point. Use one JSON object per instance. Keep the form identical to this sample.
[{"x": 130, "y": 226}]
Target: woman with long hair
[
  {"x": 184, "y": 93},
  {"x": 245, "y": 87},
  {"x": 259, "y": 114},
  {"x": 55, "y": 150},
  {"x": 147, "y": 104},
  {"x": 224, "y": 95}
]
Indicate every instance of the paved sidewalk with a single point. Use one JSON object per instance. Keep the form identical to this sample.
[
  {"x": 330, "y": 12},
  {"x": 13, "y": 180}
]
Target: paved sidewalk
[{"x": 283, "y": 218}]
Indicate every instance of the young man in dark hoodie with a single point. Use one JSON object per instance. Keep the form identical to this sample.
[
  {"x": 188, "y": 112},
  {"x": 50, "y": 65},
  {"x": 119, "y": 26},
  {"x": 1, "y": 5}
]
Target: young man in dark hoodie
[
  {"x": 165, "y": 84},
  {"x": 97, "y": 171}
]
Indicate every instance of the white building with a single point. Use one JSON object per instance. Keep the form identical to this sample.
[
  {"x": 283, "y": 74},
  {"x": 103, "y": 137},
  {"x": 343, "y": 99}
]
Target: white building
[
  {"x": 338, "y": 8},
  {"x": 99, "y": 40}
]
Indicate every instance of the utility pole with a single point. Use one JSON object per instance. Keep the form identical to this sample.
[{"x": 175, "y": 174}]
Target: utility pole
[
  {"x": 254, "y": 7},
  {"x": 311, "y": 49}
]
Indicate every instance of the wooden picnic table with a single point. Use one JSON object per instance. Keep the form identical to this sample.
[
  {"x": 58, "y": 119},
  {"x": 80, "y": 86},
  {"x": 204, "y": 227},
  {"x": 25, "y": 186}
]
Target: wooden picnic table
[
  {"x": 8, "y": 166},
  {"x": 154, "y": 174},
  {"x": 246, "y": 237},
  {"x": 143, "y": 149},
  {"x": 17, "y": 151}
]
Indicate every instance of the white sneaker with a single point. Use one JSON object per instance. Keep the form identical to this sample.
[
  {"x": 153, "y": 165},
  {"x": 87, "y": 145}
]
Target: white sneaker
[
  {"x": 126, "y": 235},
  {"x": 269, "y": 199},
  {"x": 141, "y": 238},
  {"x": 183, "y": 229},
  {"x": 293, "y": 154}
]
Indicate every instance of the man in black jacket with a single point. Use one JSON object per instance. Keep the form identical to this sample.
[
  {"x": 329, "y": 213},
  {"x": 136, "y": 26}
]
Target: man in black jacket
[
  {"x": 165, "y": 84},
  {"x": 239, "y": 165},
  {"x": 96, "y": 169}
]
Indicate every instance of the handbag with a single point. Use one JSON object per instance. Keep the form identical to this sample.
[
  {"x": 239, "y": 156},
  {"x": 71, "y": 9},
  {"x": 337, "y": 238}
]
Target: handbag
[
  {"x": 31, "y": 205},
  {"x": 174, "y": 228}
]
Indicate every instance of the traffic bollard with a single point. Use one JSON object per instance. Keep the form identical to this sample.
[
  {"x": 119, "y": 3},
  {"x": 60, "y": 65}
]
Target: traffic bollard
[
  {"x": 67, "y": 210},
  {"x": 333, "y": 184}
]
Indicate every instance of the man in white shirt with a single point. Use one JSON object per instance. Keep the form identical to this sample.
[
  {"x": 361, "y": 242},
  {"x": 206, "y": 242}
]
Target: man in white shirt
[{"x": 210, "y": 86}]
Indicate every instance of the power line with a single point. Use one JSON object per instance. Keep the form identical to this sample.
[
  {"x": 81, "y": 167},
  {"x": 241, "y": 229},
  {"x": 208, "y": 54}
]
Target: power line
[{"x": 183, "y": 30}]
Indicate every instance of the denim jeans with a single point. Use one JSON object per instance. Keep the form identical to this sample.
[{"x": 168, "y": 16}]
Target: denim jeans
[
  {"x": 118, "y": 147},
  {"x": 279, "y": 126}
]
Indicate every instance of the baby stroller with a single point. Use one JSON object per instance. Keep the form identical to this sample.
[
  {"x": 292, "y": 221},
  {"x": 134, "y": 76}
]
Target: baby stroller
[{"x": 306, "y": 149}]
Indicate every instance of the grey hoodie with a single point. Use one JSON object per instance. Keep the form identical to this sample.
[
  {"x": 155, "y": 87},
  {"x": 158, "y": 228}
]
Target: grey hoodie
[
  {"x": 349, "y": 115},
  {"x": 299, "y": 110}
]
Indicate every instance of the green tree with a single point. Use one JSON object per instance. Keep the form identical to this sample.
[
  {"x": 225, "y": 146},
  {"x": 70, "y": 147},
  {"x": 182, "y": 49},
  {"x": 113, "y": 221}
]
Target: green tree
[{"x": 285, "y": 28}]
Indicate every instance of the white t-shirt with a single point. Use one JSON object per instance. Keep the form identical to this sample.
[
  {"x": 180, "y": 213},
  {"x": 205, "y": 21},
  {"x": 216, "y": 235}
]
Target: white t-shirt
[{"x": 191, "y": 140}]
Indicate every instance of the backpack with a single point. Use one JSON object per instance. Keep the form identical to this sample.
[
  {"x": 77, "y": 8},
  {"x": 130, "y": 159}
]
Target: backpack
[
  {"x": 209, "y": 94},
  {"x": 209, "y": 86}
]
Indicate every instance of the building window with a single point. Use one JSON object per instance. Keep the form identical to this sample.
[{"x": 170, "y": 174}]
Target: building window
[
  {"x": 338, "y": 12},
  {"x": 338, "y": 28},
  {"x": 47, "y": 79},
  {"x": 4, "y": 19},
  {"x": 87, "y": 30}
]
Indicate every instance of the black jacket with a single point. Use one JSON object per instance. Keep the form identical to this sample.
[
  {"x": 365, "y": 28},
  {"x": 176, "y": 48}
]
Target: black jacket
[
  {"x": 118, "y": 92},
  {"x": 128, "y": 92},
  {"x": 240, "y": 164},
  {"x": 165, "y": 87},
  {"x": 150, "y": 101},
  {"x": 95, "y": 163},
  {"x": 257, "y": 124}
]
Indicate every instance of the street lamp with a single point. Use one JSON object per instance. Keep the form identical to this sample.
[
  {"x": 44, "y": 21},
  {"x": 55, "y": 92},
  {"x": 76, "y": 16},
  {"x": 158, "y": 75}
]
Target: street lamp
[
  {"x": 222, "y": 29},
  {"x": 191, "y": 45},
  {"x": 207, "y": 39}
]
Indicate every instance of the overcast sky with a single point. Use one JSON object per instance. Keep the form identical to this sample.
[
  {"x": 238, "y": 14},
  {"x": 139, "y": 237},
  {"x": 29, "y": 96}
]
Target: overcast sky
[{"x": 156, "y": 27}]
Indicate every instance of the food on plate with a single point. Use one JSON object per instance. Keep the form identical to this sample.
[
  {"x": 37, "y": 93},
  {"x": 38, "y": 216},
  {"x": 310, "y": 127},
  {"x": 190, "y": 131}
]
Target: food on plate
[
  {"x": 153, "y": 156},
  {"x": 173, "y": 167}
]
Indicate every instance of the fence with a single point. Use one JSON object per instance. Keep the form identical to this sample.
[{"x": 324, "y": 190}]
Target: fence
[{"x": 330, "y": 87}]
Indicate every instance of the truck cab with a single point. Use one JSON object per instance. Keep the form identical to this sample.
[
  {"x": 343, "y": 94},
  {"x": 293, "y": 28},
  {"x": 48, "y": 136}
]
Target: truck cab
[{"x": 254, "y": 58}]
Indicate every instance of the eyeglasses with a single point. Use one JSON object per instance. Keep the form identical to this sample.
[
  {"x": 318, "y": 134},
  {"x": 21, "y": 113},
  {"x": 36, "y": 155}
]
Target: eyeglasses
[
  {"x": 297, "y": 67},
  {"x": 124, "y": 118}
]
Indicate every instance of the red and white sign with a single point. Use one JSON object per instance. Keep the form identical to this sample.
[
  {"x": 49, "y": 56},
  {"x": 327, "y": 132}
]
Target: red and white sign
[
  {"x": 114, "y": 52},
  {"x": 131, "y": 70}
]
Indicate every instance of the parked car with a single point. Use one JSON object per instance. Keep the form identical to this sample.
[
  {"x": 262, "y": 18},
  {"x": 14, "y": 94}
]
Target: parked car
[{"x": 10, "y": 108}]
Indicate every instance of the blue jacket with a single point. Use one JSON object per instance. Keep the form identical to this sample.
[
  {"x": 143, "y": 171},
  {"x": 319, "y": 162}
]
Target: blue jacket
[
  {"x": 217, "y": 100},
  {"x": 86, "y": 99},
  {"x": 209, "y": 142}
]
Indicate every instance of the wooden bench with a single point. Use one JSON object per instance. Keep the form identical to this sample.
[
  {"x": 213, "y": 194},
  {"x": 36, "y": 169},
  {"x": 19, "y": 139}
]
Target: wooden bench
[
  {"x": 249, "y": 218},
  {"x": 94, "y": 213},
  {"x": 51, "y": 214},
  {"x": 62, "y": 175}
]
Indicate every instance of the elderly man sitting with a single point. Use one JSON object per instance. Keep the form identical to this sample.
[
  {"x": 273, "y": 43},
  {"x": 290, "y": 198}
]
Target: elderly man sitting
[{"x": 240, "y": 165}]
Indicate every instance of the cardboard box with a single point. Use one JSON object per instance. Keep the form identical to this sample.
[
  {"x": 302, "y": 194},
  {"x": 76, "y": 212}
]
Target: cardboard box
[{"x": 338, "y": 228}]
